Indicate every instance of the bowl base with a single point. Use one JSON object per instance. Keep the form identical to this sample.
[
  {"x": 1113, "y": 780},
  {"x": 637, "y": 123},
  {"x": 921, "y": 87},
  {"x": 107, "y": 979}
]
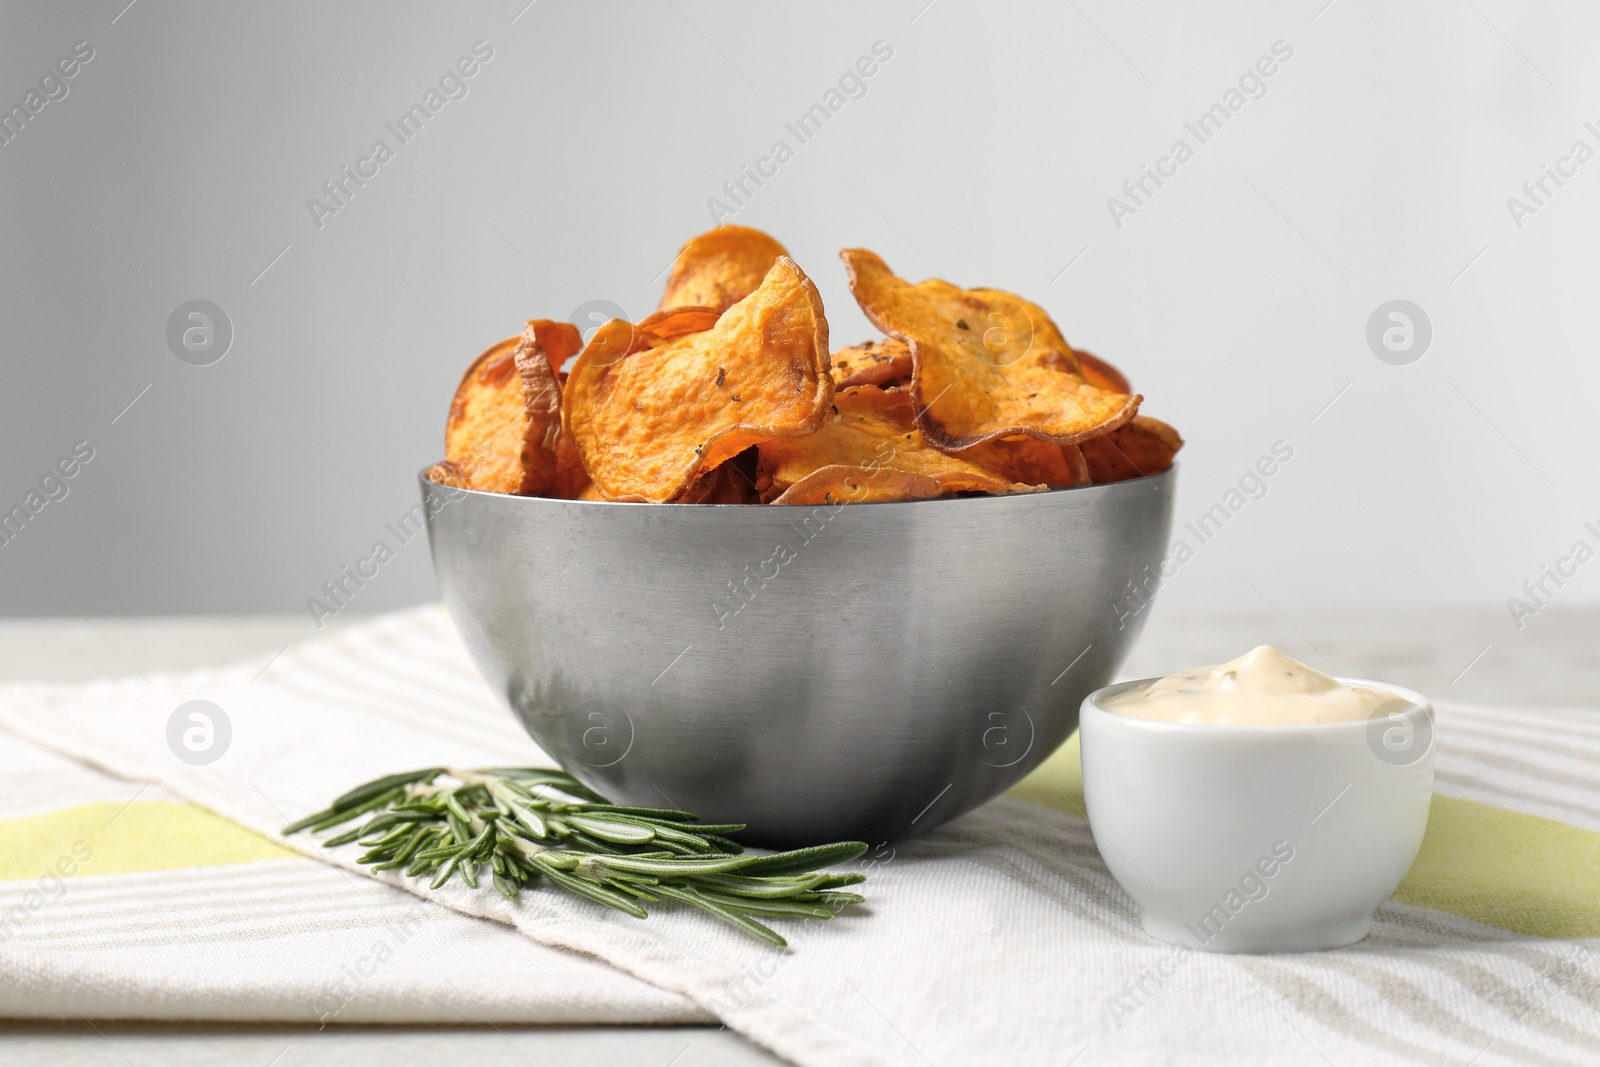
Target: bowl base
[{"x": 1313, "y": 937}]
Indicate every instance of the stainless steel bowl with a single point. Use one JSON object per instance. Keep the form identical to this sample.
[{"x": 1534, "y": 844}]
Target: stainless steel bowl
[{"x": 860, "y": 671}]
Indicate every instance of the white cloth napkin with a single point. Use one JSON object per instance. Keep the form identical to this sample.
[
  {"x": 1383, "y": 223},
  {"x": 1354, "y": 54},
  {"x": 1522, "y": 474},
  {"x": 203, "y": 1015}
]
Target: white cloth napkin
[{"x": 1000, "y": 938}]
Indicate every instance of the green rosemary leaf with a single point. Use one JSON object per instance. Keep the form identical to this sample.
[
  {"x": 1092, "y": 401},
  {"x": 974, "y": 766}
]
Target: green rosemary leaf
[
  {"x": 507, "y": 886},
  {"x": 667, "y": 834},
  {"x": 706, "y": 829},
  {"x": 726, "y": 914},
  {"x": 381, "y": 821},
  {"x": 454, "y": 805},
  {"x": 409, "y": 849},
  {"x": 801, "y": 860},
  {"x": 839, "y": 899},
  {"x": 530, "y": 818},
  {"x": 754, "y": 888},
  {"x": 593, "y": 844},
  {"x": 632, "y": 889},
  {"x": 664, "y": 814},
  {"x": 835, "y": 881},
  {"x": 529, "y": 776},
  {"x": 443, "y": 852},
  {"x": 394, "y": 836},
  {"x": 777, "y": 909},
  {"x": 723, "y": 844},
  {"x": 614, "y": 830},
  {"x": 445, "y": 871},
  {"x": 364, "y": 793},
  {"x": 598, "y": 893},
  {"x": 675, "y": 865},
  {"x": 333, "y": 816},
  {"x": 477, "y": 843},
  {"x": 345, "y": 838}
]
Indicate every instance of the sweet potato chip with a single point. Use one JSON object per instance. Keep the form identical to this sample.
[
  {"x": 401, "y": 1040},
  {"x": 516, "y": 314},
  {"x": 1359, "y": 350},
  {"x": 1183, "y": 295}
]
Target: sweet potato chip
[
  {"x": 571, "y": 478},
  {"x": 872, "y": 435},
  {"x": 986, "y": 363},
  {"x": 872, "y": 363},
  {"x": 1140, "y": 448},
  {"x": 724, "y": 485},
  {"x": 448, "y": 473},
  {"x": 842, "y": 483},
  {"x": 1100, "y": 374},
  {"x": 646, "y": 421},
  {"x": 505, "y": 419},
  {"x": 720, "y": 268},
  {"x": 1029, "y": 460},
  {"x": 677, "y": 321},
  {"x": 1078, "y": 464}
]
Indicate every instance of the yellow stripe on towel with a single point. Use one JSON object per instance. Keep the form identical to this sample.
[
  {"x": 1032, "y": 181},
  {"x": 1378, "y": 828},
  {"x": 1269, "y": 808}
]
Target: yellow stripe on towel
[
  {"x": 1506, "y": 869},
  {"x": 148, "y": 835}
]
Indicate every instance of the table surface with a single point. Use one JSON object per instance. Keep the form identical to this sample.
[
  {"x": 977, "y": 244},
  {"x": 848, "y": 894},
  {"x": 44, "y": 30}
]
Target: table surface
[{"x": 1465, "y": 654}]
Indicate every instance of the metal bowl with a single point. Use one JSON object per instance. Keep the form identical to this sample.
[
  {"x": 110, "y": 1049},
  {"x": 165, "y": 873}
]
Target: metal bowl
[{"x": 861, "y": 671}]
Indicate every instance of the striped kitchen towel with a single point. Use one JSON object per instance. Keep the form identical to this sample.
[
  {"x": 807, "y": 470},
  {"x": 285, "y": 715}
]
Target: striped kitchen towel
[
  {"x": 119, "y": 900},
  {"x": 1000, "y": 938}
]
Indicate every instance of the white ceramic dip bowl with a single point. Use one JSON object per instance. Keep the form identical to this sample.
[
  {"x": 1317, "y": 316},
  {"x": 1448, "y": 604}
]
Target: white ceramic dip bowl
[{"x": 1259, "y": 838}]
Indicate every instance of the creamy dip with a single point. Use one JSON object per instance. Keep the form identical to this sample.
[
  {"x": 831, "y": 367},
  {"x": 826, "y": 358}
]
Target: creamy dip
[{"x": 1263, "y": 687}]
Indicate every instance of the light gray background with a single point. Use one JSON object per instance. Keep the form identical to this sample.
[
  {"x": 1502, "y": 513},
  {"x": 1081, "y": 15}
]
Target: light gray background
[{"x": 1376, "y": 167}]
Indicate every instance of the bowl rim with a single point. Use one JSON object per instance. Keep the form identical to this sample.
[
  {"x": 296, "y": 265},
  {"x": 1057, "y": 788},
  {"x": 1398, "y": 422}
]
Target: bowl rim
[
  {"x": 1091, "y": 708},
  {"x": 535, "y": 501}
]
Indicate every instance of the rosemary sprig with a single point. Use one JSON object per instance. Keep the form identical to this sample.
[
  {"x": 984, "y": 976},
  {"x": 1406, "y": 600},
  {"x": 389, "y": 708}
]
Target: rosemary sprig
[{"x": 527, "y": 824}]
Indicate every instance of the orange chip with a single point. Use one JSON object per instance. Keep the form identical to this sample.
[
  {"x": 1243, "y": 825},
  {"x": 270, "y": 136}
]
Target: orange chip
[
  {"x": 1030, "y": 460},
  {"x": 727, "y": 484},
  {"x": 1078, "y": 464},
  {"x": 1100, "y": 374},
  {"x": 647, "y": 413},
  {"x": 873, "y": 435},
  {"x": 677, "y": 321},
  {"x": 1140, "y": 448},
  {"x": 720, "y": 268},
  {"x": 448, "y": 473},
  {"x": 986, "y": 363},
  {"x": 505, "y": 418},
  {"x": 571, "y": 478},
  {"x": 845, "y": 484},
  {"x": 872, "y": 363}
]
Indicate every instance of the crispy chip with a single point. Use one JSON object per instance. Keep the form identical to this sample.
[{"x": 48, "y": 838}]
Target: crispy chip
[
  {"x": 986, "y": 363},
  {"x": 720, "y": 268},
  {"x": 647, "y": 413},
  {"x": 874, "y": 434},
  {"x": 1078, "y": 464},
  {"x": 1140, "y": 448},
  {"x": 727, "y": 484},
  {"x": 571, "y": 478},
  {"x": 677, "y": 321},
  {"x": 845, "y": 484},
  {"x": 448, "y": 473},
  {"x": 1030, "y": 460},
  {"x": 505, "y": 419},
  {"x": 882, "y": 363},
  {"x": 1100, "y": 374}
]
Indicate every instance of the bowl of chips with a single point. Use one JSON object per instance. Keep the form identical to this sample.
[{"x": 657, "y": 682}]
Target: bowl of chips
[{"x": 714, "y": 565}]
